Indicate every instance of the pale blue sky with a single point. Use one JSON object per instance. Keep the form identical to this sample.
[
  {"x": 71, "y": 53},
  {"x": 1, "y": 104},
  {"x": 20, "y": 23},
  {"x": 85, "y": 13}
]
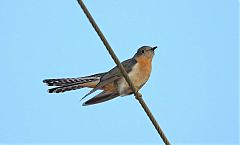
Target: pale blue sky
[{"x": 193, "y": 89}]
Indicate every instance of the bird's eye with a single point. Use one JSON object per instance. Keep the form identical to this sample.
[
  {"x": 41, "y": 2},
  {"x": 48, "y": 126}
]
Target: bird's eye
[{"x": 143, "y": 51}]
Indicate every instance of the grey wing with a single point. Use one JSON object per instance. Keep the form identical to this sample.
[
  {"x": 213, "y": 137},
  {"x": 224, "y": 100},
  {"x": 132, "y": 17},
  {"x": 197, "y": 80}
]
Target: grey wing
[
  {"x": 113, "y": 75},
  {"x": 127, "y": 64},
  {"x": 102, "y": 97},
  {"x": 99, "y": 86}
]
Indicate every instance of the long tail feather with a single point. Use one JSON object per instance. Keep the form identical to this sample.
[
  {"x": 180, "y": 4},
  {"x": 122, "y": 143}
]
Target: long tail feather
[
  {"x": 64, "y": 88},
  {"x": 67, "y": 84},
  {"x": 64, "y": 81}
]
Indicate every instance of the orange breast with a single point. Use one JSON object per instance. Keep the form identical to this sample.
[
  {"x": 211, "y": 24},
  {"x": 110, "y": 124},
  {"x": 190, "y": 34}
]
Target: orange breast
[
  {"x": 145, "y": 65},
  {"x": 139, "y": 76}
]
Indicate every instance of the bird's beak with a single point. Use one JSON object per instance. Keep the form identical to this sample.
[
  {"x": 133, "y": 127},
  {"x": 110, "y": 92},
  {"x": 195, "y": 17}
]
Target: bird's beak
[{"x": 154, "y": 48}]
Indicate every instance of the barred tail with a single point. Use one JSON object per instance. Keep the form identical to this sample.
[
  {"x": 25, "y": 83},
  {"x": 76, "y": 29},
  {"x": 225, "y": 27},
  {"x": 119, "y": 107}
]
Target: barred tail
[
  {"x": 65, "y": 88},
  {"x": 68, "y": 81},
  {"x": 68, "y": 84}
]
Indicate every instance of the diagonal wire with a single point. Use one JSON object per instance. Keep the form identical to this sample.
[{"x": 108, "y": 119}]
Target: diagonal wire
[{"x": 137, "y": 95}]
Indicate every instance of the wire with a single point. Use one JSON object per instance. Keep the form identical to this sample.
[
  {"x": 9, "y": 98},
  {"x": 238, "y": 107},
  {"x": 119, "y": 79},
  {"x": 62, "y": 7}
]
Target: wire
[{"x": 137, "y": 95}]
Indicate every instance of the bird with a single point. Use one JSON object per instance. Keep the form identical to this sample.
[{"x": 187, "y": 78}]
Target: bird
[{"x": 112, "y": 83}]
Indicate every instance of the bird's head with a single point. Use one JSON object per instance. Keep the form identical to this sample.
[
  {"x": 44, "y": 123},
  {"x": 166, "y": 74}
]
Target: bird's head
[{"x": 145, "y": 52}]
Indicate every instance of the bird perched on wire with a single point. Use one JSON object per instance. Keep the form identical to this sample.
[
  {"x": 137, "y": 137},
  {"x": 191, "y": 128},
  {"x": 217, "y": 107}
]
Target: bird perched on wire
[{"x": 112, "y": 82}]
